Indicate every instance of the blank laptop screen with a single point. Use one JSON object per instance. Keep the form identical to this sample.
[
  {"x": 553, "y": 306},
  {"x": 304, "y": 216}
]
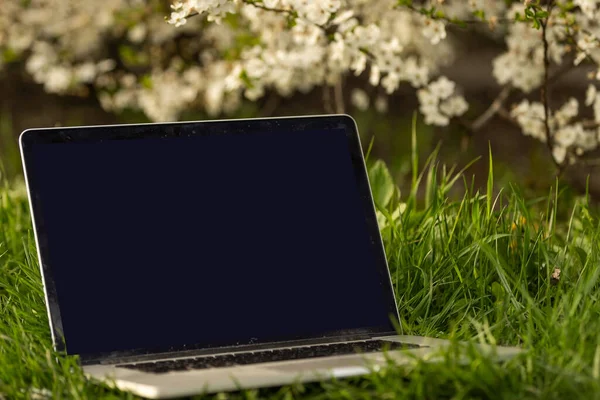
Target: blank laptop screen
[{"x": 206, "y": 240}]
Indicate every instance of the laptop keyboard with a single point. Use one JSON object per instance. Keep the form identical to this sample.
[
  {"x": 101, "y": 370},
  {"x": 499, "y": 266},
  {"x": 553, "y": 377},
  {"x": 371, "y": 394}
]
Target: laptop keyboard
[{"x": 263, "y": 356}]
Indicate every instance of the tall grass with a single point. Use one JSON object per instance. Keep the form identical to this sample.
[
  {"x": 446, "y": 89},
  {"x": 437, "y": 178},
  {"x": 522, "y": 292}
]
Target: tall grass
[{"x": 478, "y": 268}]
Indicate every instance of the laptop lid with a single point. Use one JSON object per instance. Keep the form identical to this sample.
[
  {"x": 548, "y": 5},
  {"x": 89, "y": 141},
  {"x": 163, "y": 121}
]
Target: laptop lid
[{"x": 166, "y": 237}]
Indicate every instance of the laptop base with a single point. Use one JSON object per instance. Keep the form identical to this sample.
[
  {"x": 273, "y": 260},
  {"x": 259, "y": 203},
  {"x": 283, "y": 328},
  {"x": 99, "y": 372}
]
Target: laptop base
[{"x": 213, "y": 380}]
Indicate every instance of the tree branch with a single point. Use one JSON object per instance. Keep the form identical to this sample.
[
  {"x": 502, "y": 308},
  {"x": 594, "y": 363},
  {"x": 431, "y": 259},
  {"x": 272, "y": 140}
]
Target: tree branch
[
  {"x": 492, "y": 109},
  {"x": 590, "y": 124},
  {"x": 571, "y": 38},
  {"x": 454, "y": 21},
  {"x": 288, "y": 12},
  {"x": 263, "y": 7},
  {"x": 505, "y": 114},
  {"x": 498, "y": 103}
]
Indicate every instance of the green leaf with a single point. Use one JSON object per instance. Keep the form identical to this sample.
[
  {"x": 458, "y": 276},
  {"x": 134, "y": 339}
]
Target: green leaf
[
  {"x": 382, "y": 184},
  {"x": 497, "y": 291},
  {"x": 490, "y": 184},
  {"x": 232, "y": 20},
  {"x": 9, "y": 55},
  {"x": 130, "y": 56},
  {"x": 414, "y": 152},
  {"x": 291, "y": 20},
  {"x": 581, "y": 253},
  {"x": 146, "y": 81},
  {"x": 479, "y": 14},
  {"x": 246, "y": 79}
]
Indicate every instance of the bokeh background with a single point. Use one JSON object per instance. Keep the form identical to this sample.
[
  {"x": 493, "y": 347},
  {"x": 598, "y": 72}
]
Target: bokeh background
[{"x": 518, "y": 159}]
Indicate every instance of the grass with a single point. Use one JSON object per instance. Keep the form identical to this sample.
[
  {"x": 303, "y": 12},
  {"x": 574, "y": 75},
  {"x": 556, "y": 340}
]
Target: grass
[{"x": 475, "y": 268}]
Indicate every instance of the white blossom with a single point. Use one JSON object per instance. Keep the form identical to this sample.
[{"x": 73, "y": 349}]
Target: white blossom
[
  {"x": 442, "y": 87},
  {"x": 590, "y": 95},
  {"x": 271, "y": 3},
  {"x": 586, "y": 44},
  {"x": 331, "y": 6},
  {"x": 216, "y": 9},
  {"x": 568, "y": 135},
  {"x": 360, "y": 99},
  {"x": 434, "y": 30},
  {"x": 530, "y": 117},
  {"x": 597, "y": 109},
  {"x": 254, "y": 93},
  {"x": 375, "y": 75},
  {"x": 522, "y": 65},
  {"x": 137, "y": 33},
  {"x": 454, "y": 106},
  {"x": 589, "y": 7},
  {"x": 58, "y": 79},
  {"x": 106, "y": 65},
  {"x": 586, "y": 139},
  {"x": 564, "y": 114},
  {"x": 381, "y": 104},
  {"x": 86, "y": 72},
  {"x": 564, "y": 132},
  {"x": 438, "y": 103},
  {"x": 559, "y": 153}
]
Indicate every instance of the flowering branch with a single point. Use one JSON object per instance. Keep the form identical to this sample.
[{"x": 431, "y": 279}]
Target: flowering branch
[
  {"x": 436, "y": 14},
  {"x": 506, "y": 115},
  {"x": 258, "y": 4},
  {"x": 290, "y": 13},
  {"x": 249, "y": 49},
  {"x": 492, "y": 109}
]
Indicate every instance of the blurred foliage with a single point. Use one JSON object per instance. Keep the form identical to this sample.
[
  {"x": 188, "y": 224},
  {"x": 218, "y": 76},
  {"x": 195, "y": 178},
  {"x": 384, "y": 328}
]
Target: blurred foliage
[
  {"x": 10, "y": 159},
  {"x": 390, "y": 134}
]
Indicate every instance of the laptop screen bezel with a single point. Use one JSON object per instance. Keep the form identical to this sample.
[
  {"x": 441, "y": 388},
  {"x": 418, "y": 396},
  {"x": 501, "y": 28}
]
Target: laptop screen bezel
[{"x": 91, "y": 134}]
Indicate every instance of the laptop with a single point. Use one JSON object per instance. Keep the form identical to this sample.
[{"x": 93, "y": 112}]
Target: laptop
[{"x": 200, "y": 257}]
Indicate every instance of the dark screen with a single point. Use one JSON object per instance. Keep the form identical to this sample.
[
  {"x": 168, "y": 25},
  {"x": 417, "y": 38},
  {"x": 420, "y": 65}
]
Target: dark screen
[{"x": 206, "y": 240}]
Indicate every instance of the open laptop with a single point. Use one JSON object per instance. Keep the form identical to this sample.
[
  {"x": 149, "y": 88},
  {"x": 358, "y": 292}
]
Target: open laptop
[{"x": 197, "y": 257}]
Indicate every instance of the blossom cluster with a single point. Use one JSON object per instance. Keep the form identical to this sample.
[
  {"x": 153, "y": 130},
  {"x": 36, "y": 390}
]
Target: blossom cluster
[
  {"x": 235, "y": 50},
  {"x": 439, "y": 104},
  {"x": 568, "y": 136},
  {"x": 210, "y": 55}
]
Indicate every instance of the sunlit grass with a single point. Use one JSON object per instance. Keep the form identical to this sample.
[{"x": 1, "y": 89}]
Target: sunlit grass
[{"x": 479, "y": 268}]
